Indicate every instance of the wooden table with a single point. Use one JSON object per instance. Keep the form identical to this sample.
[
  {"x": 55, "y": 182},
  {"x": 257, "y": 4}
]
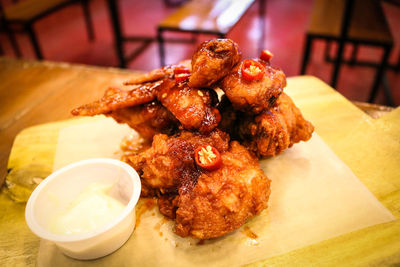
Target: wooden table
[{"x": 33, "y": 93}]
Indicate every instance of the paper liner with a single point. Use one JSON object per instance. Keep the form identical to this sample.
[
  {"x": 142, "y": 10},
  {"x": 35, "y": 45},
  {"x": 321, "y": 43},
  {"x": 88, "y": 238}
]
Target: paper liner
[{"x": 314, "y": 197}]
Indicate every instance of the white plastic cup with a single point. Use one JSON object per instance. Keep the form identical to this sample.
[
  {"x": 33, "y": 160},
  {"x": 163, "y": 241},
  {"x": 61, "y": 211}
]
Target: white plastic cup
[{"x": 58, "y": 190}]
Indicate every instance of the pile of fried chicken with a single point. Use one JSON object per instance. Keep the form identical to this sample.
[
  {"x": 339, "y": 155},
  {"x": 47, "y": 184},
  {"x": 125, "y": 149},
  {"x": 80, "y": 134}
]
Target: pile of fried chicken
[{"x": 210, "y": 120}]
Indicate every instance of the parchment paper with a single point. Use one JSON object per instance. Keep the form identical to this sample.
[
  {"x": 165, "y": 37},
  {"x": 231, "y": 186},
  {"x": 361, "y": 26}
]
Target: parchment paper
[
  {"x": 97, "y": 139},
  {"x": 314, "y": 197}
]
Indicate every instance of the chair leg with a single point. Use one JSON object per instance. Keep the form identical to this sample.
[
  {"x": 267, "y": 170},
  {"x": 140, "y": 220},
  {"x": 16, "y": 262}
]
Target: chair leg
[
  {"x": 344, "y": 29},
  {"x": 88, "y": 19},
  {"x": 14, "y": 44},
  {"x": 337, "y": 64},
  {"x": 161, "y": 47},
  {"x": 378, "y": 76},
  {"x": 306, "y": 54},
  {"x": 387, "y": 90},
  {"x": 354, "y": 53},
  {"x": 119, "y": 44},
  {"x": 328, "y": 50},
  {"x": 34, "y": 41}
]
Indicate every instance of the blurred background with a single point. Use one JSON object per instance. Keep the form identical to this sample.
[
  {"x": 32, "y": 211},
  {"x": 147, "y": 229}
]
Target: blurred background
[{"x": 63, "y": 37}]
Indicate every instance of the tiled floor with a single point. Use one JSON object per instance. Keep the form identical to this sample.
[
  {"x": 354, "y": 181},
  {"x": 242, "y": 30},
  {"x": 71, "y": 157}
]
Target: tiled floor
[{"x": 63, "y": 38}]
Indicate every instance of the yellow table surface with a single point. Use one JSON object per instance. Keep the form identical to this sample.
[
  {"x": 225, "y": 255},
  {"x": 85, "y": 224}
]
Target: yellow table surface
[{"x": 370, "y": 147}]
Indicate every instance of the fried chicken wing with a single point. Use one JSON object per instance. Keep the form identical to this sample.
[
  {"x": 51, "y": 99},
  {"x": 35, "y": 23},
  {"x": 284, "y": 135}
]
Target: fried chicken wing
[
  {"x": 256, "y": 95},
  {"x": 212, "y": 61},
  {"x": 194, "y": 108},
  {"x": 148, "y": 119},
  {"x": 275, "y": 129},
  {"x": 116, "y": 98}
]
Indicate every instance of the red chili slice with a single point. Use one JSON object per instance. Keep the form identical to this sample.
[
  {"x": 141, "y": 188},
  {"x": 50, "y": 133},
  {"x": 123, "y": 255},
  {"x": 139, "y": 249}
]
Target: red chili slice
[
  {"x": 181, "y": 69},
  {"x": 181, "y": 73},
  {"x": 181, "y": 77},
  {"x": 266, "y": 55},
  {"x": 252, "y": 70},
  {"x": 207, "y": 157}
]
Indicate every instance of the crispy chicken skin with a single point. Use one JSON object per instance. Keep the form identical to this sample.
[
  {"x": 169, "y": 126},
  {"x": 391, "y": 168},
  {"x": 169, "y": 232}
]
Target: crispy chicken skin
[
  {"x": 224, "y": 199},
  {"x": 148, "y": 119},
  {"x": 206, "y": 204},
  {"x": 257, "y": 95},
  {"x": 212, "y": 61},
  {"x": 275, "y": 129}
]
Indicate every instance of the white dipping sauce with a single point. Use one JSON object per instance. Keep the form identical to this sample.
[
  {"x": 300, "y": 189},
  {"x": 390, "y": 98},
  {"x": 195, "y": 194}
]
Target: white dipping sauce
[{"x": 92, "y": 209}]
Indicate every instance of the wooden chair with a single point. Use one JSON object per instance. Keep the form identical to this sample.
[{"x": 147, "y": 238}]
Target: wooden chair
[
  {"x": 21, "y": 16},
  {"x": 359, "y": 22},
  {"x": 120, "y": 38},
  {"x": 11, "y": 37},
  {"x": 216, "y": 17}
]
